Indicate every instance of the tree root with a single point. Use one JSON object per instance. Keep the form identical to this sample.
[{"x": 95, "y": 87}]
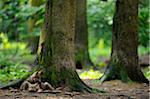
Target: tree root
[
  {"x": 36, "y": 87},
  {"x": 80, "y": 86},
  {"x": 108, "y": 74},
  {"x": 34, "y": 83},
  {"x": 112, "y": 73}
]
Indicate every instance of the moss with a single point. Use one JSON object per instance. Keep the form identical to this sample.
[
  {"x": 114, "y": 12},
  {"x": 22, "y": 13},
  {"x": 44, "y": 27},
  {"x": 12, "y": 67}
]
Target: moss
[
  {"x": 116, "y": 70},
  {"x": 124, "y": 75},
  {"x": 53, "y": 76},
  {"x": 65, "y": 77},
  {"x": 75, "y": 83},
  {"x": 70, "y": 78}
]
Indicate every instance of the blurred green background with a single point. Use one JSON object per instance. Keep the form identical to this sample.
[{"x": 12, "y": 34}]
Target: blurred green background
[{"x": 21, "y": 22}]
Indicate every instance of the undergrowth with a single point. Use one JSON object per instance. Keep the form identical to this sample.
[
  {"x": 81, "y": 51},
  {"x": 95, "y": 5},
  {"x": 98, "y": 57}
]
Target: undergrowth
[{"x": 12, "y": 59}]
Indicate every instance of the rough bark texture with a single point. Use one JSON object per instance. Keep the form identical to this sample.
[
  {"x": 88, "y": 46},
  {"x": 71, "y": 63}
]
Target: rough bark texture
[
  {"x": 57, "y": 53},
  {"x": 124, "y": 57},
  {"x": 81, "y": 36}
]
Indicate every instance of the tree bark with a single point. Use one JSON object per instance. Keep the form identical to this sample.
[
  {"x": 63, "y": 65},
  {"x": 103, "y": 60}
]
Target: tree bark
[
  {"x": 81, "y": 36},
  {"x": 57, "y": 50},
  {"x": 124, "y": 57}
]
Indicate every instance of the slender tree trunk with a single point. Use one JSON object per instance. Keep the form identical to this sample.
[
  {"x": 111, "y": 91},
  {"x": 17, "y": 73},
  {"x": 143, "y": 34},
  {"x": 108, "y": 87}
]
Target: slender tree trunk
[
  {"x": 57, "y": 50},
  {"x": 81, "y": 35},
  {"x": 124, "y": 57},
  {"x": 41, "y": 39},
  {"x": 33, "y": 40}
]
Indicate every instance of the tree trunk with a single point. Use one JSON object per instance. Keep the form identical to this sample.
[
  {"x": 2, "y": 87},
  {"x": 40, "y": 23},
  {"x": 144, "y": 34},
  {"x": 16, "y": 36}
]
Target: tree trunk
[
  {"x": 124, "y": 57},
  {"x": 57, "y": 50},
  {"x": 81, "y": 36},
  {"x": 33, "y": 40}
]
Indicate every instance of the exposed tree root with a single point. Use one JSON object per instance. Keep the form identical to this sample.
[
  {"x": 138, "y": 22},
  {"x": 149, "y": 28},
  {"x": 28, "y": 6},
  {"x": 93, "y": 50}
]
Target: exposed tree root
[
  {"x": 107, "y": 76},
  {"x": 34, "y": 83},
  {"x": 138, "y": 77},
  {"x": 79, "y": 86},
  {"x": 112, "y": 73}
]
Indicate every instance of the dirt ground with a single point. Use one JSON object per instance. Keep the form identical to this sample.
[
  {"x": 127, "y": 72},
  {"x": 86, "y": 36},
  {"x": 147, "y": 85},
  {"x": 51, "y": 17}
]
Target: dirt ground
[{"x": 115, "y": 90}]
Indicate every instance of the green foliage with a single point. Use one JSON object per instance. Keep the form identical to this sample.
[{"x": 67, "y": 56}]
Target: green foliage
[
  {"x": 100, "y": 49},
  {"x": 12, "y": 47},
  {"x": 100, "y": 19},
  {"x": 12, "y": 55},
  {"x": 100, "y": 16},
  {"x": 14, "y": 16},
  {"x": 144, "y": 22},
  {"x": 13, "y": 71},
  {"x": 99, "y": 53}
]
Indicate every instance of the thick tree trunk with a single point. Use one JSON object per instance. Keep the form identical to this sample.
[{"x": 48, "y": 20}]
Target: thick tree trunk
[
  {"x": 124, "y": 57},
  {"x": 81, "y": 36},
  {"x": 57, "y": 50}
]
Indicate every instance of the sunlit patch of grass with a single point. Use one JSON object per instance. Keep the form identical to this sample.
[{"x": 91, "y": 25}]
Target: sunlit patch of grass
[{"x": 90, "y": 74}]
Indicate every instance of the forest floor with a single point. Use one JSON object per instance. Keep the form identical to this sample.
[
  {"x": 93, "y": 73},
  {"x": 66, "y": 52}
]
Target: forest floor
[{"x": 115, "y": 90}]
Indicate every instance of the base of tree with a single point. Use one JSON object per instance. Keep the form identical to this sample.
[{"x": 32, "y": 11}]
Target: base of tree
[
  {"x": 65, "y": 78},
  {"x": 118, "y": 71},
  {"x": 112, "y": 73},
  {"x": 68, "y": 81}
]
